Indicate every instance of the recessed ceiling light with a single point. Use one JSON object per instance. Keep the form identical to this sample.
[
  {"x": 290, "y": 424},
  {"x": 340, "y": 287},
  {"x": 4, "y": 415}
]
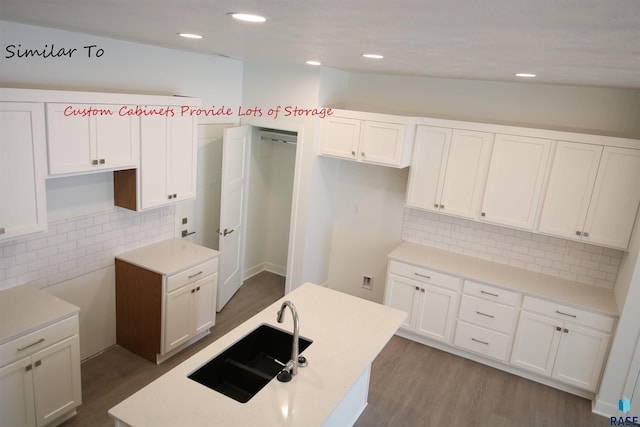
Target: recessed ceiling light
[
  {"x": 315, "y": 63},
  {"x": 372, "y": 56},
  {"x": 190, "y": 36},
  {"x": 525, "y": 75},
  {"x": 248, "y": 17}
]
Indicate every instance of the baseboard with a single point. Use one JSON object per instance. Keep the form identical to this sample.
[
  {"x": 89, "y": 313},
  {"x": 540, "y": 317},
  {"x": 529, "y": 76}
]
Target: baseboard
[{"x": 265, "y": 266}]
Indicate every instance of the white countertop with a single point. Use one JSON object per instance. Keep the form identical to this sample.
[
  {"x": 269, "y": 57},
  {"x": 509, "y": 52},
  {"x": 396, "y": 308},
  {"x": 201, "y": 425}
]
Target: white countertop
[
  {"x": 525, "y": 281},
  {"x": 347, "y": 333},
  {"x": 24, "y": 309},
  {"x": 169, "y": 256}
]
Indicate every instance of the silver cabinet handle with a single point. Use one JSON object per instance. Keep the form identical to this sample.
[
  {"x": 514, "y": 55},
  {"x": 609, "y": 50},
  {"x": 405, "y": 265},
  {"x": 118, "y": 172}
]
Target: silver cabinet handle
[
  {"x": 30, "y": 345},
  {"x": 478, "y": 341},
  {"x": 566, "y": 314},
  {"x": 489, "y": 293},
  {"x": 422, "y": 275},
  {"x": 186, "y": 233},
  {"x": 102, "y": 161},
  {"x": 195, "y": 275},
  {"x": 485, "y": 314}
]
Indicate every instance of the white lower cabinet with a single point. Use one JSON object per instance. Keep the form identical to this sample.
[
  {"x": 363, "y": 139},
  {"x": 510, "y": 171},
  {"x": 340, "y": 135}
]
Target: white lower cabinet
[
  {"x": 189, "y": 311},
  {"x": 429, "y": 298},
  {"x": 563, "y": 346},
  {"x": 168, "y": 290},
  {"x": 565, "y": 350},
  {"x": 42, "y": 381},
  {"x": 486, "y": 320}
]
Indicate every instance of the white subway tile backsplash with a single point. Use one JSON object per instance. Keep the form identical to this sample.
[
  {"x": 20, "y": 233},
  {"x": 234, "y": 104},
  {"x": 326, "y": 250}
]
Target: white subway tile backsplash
[
  {"x": 76, "y": 246},
  {"x": 577, "y": 261}
]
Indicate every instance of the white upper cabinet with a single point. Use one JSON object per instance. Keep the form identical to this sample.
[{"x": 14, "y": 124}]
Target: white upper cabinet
[
  {"x": 168, "y": 164},
  {"x": 369, "y": 138},
  {"x": 22, "y": 169},
  {"x": 167, "y": 173},
  {"x": 515, "y": 179},
  {"x": 593, "y": 194},
  {"x": 448, "y": 170},
  {"x": 85, "y": 138},
  {"x": 616, "y": 195}
]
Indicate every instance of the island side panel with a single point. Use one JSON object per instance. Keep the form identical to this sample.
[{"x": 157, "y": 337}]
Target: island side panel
[{"x": 138, "y": 309}]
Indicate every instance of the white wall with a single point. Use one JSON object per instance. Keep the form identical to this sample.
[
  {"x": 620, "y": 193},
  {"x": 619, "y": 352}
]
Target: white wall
[
  {"x": 617, "y": 371},
  {"x": 268, "y": 86},
  {"x": 272, "y": 169},
  {"x": 614, "y": 112},
  {"x": 124, "y": 68}
]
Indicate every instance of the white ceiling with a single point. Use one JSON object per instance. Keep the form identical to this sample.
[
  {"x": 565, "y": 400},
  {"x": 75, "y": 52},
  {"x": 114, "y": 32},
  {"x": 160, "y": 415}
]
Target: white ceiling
[{"x": 582, "y": 42}]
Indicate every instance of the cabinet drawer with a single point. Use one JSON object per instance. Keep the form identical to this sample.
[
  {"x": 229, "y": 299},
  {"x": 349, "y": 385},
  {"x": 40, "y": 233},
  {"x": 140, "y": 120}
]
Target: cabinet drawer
[
  {"x": 491, "y": 293},
  {"x": 488, "y": 314},
  {"x": 194, "y": 273},
  {"x": 563, "y": 312},
  {"x": 481, "y": 340},
  {"x": 36, "y": 341},
  {"x": 424, "y": 275}
]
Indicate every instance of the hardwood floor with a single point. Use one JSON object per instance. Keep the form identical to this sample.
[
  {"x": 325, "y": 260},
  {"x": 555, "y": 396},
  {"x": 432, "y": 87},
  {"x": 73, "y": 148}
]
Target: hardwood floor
[{"x": 411, "y": 384}]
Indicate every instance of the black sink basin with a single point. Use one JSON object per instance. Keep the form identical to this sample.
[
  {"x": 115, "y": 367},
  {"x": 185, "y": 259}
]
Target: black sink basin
[{"x": 246, "y": 367}]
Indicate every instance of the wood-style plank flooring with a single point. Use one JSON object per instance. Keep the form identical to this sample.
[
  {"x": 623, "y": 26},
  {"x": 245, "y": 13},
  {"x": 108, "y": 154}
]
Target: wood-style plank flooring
[{"x": 411, "y": 384}]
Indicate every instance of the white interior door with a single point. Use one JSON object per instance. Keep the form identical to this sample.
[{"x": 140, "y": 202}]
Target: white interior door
[{"x": 236, "y": 148}]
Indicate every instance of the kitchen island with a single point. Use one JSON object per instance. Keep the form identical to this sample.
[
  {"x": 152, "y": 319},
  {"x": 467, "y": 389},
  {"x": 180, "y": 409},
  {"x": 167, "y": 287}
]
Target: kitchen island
[{"x": 347, "y": 333}]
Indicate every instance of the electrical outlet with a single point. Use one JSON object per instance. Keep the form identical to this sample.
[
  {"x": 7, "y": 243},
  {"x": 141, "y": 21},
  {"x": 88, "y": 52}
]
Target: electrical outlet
[{"x": 367, "y": 282}]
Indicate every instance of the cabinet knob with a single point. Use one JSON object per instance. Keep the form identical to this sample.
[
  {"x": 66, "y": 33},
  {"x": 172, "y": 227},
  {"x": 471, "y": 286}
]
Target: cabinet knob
[
  {"x": 363, "y": 155},
  {"x": 353, "y": 153},
  {"x": 483, "y": 214},
  {"x": 578, "y": 233},
  {"x": 435, "y": 205},
  {"x": 2, "y": 230},
  {"x": 102, "y": 161},
  {"x": 441, "y": 206},
  {"x": 585, "y": 234},
  {"x": 94, "y": 161},
  {"x": 170, "y": 196}
]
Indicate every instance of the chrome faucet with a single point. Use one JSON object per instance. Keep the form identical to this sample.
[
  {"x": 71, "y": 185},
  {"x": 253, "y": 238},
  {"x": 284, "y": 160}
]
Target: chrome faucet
[{"x": 292, "y": 365}]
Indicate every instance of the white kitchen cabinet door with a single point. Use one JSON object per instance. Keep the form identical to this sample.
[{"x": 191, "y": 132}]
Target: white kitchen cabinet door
[
  {"x": 182, "y": 158},
  {"x": 16, "y": 388},
  {"x": 205, "y": 303},
  {"x": 56, "y": 380},
  {"x": 580, "y": 356},
  {"x": 340, "y": 137},
  {"x": 22, "y": 169},
  {"x": 466, "y": 171},
  {"x": 573, "y": 175},
  {"x": 382, "y": 143},
  {"x": 436, "y": 312},
  {"x": 615, "y": 200},
  {"x": 428, "y": 166},
  {"x": 168, "y": 160},
  {"x": 536, "y": 343},
  {"x": 514, "y": 182},
  {"x": 401, "y": 294},
  {"x": 153, "y": 161},
  {"x": 78, "y": 144},
  {"x": 178, "y": 318}
]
